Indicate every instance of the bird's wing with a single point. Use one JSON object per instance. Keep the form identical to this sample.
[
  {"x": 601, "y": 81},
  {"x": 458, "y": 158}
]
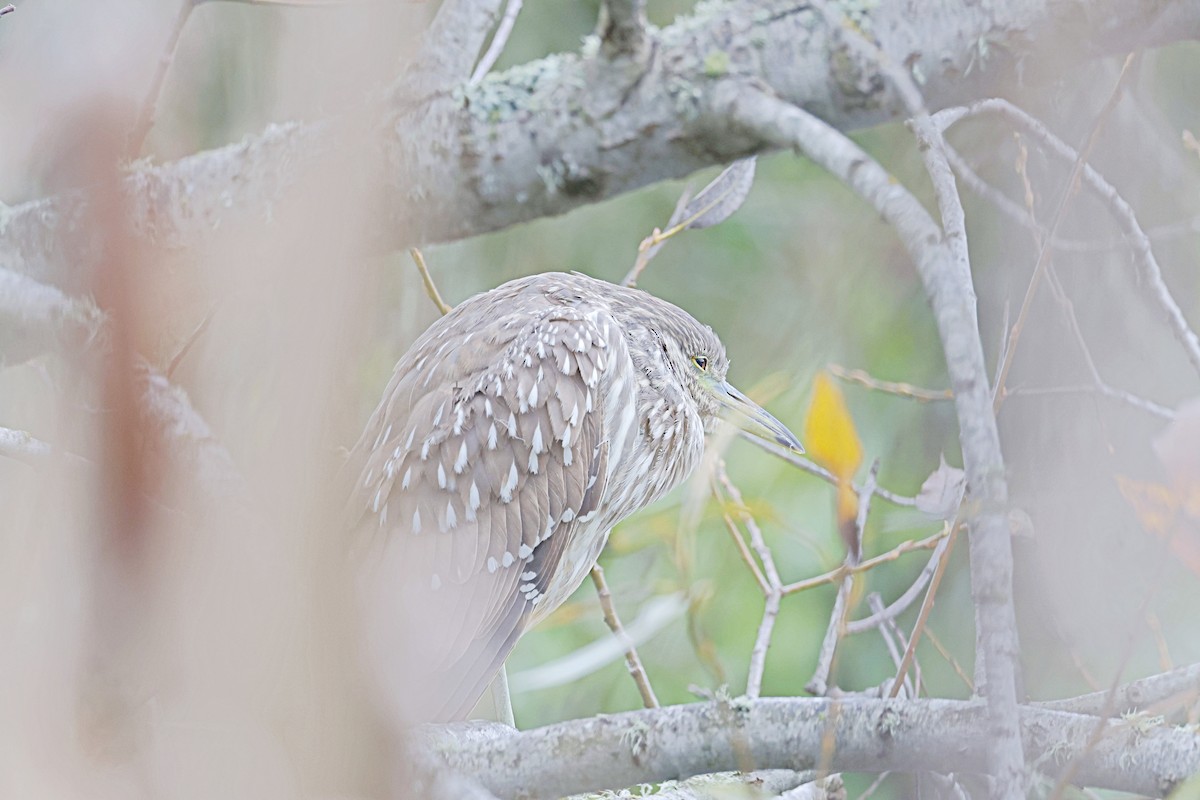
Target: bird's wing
[{"x": 486, "y": 454}]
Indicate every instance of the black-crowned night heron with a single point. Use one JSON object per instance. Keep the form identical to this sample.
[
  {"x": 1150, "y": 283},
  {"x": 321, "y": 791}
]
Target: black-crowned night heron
[{"x": 514, "y": 434}]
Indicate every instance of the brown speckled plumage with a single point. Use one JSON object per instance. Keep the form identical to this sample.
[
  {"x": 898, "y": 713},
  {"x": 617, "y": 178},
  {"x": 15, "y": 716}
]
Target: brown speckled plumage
[{"x": 515, "y": 432}]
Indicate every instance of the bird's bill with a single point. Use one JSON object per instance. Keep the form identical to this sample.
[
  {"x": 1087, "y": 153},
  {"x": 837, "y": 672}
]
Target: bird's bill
[{"x": 754, "y": 419}]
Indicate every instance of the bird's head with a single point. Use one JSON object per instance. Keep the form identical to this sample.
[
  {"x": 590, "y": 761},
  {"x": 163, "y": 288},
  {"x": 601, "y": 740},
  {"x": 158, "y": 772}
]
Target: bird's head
[{"x": 696, "y": 358}]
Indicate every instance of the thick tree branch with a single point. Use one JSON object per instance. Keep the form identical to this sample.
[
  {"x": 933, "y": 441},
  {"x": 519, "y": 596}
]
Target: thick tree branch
[
  {"x": 872, "y": 735},
  {"x": 568, "y": 130}
]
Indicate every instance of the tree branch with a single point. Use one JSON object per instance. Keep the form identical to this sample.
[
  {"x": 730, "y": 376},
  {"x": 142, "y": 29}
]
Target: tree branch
[
  {"x": 1143, "y": 251},
  {"x": 947, "y": 282},
  {"x": 569, "y": 130},
  {"x": 677, "y": 742},
  {"x": 1137, "y": 695},
  {"x": 454, "y": 39},
  {"x": 35, "y": 317}
]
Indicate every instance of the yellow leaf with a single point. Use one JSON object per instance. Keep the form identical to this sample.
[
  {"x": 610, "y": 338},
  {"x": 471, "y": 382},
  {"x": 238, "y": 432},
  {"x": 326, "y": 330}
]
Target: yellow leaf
[{"x": 829, "y": 433}]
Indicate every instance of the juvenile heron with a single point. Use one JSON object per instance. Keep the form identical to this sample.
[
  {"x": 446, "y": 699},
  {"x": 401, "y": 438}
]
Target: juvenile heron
[{"x": 513, "y": 435}]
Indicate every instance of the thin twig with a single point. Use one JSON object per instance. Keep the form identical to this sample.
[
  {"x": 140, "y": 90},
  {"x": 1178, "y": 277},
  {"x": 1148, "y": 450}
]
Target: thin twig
[
  {"x": 430, "y": 287},
  {"x": 901, "y": 604},
  {"x": 769, "y": 581},
  {"x": 736, "y": 534},
  {"x": 1122, "y": 212},
  {"x": 1043, "y": 257},
  {"x": 632, "y": 660},
  {"x": 756, "y": 538},
  {"x": 889, "y": 633},
  {"x": 175, "y": 361},
  {"x": 926, "y": 608},
  {"x": 1160, "y": 641},
  {"x": 145, "y": 120},
  {"x": 950, "y": 659},
  {"x": 1001, "y": 202},
  {"x": 499, "y": 39},
  {"x": 817, "y": 470},
  {"x": 762, "y": 642},
  {"x": 836, "y": 575},
  {"x": 1104, "y": 390},
  {"x": 862, "y": 378},
  {"x": 836, "y": 630},
  {"x": 874, "y": 787}
]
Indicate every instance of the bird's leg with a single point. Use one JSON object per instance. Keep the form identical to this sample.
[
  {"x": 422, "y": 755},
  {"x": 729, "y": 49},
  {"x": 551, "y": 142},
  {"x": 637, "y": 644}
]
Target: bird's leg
[{"x": 501, "y": 699}]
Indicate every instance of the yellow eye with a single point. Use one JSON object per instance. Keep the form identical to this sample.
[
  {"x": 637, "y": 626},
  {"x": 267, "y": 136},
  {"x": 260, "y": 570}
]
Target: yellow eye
[{"x": 701, "y": 362}]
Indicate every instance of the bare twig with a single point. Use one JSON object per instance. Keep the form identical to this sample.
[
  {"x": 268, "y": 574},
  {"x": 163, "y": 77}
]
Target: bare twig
[
  {"x": 950, "y": 659},
  {"x": 1136, "y": 695},
  {"x": 499, "y": 39},
  {"x": 890, "y": 633},
  {"x": 862, "y": 378},
  {"x": 1041, "y": 264},
  {"x": 145, "y": 120},
  {"x": 756, "y": 538},
  {"x": 632, "y": 660},
  {"x": 1122, "y": 212},
  {"x": 817, "y": 470},
  {"x": 836, "y": 575},
  {"x": 926, "y": 608},
  {"x": 427, "y": 279},
  {"x": 762, "y": 641},
  {"x": 1160, "y": 641},
  {"x": 743, "y": 550},
  {"x": 901, "y": 604},
  {"x": 948, "y": 285},
  {"x": 827, "y": 656},
  {"x": 974, "y": 182},
  {"x": 186, "y": 347},
  {"x": 951, "y": 293},
  {"x": 769, "y": 582},
  {"x": 655, "y": 614},
  {"x": 1104, "y": 390}
]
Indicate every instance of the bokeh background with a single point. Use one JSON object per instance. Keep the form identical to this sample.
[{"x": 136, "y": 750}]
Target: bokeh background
[{"x": 304, "y": 330}]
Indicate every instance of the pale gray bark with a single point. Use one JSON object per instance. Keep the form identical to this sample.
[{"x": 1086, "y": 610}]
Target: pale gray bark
[
  {"x": 1137, "y": 696},
  {"x": 567, "y": 130},
  {"x": 676, "y": 742},
  {"x": 941, "y": 261}
]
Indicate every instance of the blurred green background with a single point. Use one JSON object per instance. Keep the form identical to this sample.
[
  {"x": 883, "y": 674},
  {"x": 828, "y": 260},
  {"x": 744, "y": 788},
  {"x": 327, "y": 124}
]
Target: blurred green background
[{"x": 802, "y": 276}]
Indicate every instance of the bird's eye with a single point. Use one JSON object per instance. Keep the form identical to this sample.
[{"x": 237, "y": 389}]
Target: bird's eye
[{"x": 701, "y": 362}]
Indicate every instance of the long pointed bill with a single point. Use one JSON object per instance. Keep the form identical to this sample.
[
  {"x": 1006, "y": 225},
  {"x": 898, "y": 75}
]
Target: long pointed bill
[{"x": 753, "y": 418}]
